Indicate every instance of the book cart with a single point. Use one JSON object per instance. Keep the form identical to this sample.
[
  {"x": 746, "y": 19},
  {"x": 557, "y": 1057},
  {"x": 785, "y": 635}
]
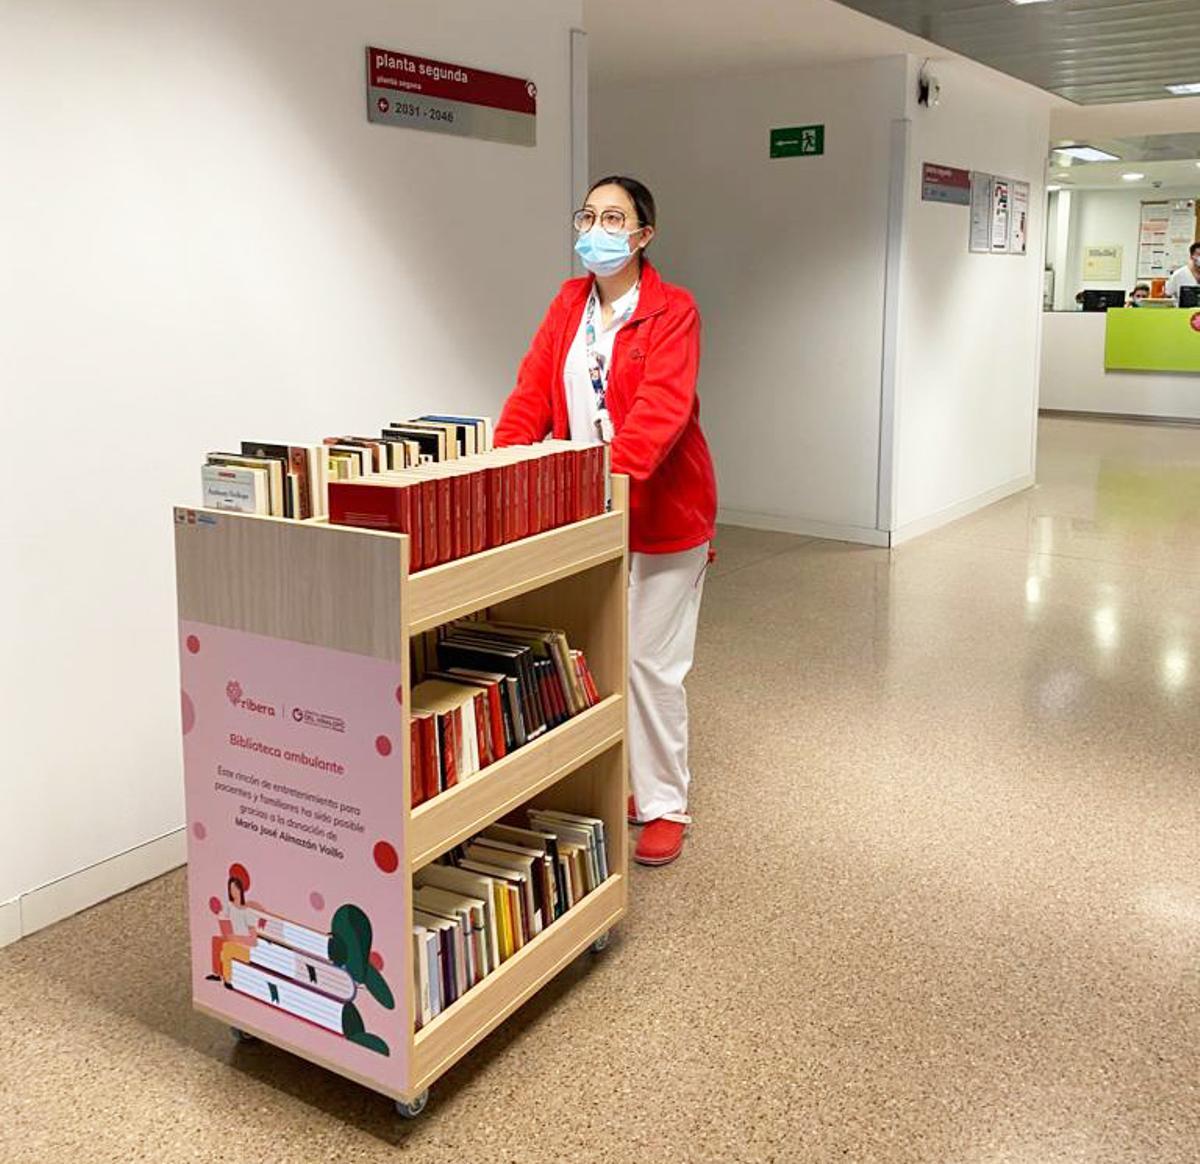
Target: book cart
[{"x": 294, "y": 643}]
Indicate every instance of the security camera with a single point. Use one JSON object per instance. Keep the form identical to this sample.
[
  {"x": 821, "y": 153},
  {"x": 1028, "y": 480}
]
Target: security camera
[
  {"x": 1157, "y": 184},
  {"x": 929, "y": 88}
]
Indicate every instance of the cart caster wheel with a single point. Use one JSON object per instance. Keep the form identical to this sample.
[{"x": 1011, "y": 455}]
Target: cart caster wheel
[
  {"x": 242, "y": 1036},
  {"x": 410, "y": 1111},
  {"x": 600, "y": 944}
]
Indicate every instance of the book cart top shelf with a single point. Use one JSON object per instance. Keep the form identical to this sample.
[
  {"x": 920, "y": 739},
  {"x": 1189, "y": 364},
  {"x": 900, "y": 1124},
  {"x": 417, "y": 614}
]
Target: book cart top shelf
[{"x": 277, "y": 599}]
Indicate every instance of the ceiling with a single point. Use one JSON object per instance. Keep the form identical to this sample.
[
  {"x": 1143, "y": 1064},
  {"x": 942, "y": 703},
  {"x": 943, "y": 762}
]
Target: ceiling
[
  {"x": 1088, "y": 51},
  {"x": 1156, "y": 147},
  {"x": 669, "y": 39},
  {"x": 1180, "y": 175},
  {"x": 1170, "y": 159}
]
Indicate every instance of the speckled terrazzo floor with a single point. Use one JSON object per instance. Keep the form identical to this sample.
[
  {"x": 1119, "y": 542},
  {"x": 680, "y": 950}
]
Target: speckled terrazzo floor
[{"x": 942, "y": 903}]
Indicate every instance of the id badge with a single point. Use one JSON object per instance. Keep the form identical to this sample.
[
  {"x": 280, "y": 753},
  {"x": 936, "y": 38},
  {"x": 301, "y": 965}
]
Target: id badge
[{"x": 604, "y": 426}]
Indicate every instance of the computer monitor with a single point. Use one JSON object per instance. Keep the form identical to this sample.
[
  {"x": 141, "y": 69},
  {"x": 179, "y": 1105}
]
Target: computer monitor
[
  {"x": 1189, "y": 296},
  {"x": 1102, "y": 300}
]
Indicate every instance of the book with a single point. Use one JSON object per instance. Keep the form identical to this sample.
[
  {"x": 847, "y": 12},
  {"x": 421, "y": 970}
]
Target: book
[
  {"x": 239, "y": 489},
  {"x": 273, "y": 469},
  {"x": 422, "y": 1000},
  {"x": 471, "y": 887},
  {"x": 296, "y": 463}
]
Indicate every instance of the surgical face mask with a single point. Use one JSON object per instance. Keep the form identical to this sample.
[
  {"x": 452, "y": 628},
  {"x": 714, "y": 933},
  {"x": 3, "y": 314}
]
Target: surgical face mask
[{"x": 603, "y": 253}]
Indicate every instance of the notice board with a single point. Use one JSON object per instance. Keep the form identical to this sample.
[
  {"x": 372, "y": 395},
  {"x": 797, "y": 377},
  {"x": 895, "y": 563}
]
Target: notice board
[{"x": 1167, "y": 228}]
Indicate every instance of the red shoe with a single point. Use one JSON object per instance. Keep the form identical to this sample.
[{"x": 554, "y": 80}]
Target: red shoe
[
  {"x": 662, "y": 839},
  {"x": 631, "y": 812}
]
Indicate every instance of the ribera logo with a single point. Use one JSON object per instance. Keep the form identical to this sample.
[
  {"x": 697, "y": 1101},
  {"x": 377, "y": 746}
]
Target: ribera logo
[{"x": 237, "y": 696}]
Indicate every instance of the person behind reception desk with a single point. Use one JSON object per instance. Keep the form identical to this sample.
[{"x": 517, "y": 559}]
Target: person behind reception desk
[
  {"x": 1187, "y": 276},
  {"x": 1140, "y": 293}
]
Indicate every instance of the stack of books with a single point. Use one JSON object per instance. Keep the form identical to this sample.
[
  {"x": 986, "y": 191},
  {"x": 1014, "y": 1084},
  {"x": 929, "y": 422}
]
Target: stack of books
[
  {"x": 463, "y": 505},
  {"x": 282, "y": 480},
  {"x": 437, "y": 479},
  {"x": 486, "y": 899},
  {"x": 487, "y": 689}
]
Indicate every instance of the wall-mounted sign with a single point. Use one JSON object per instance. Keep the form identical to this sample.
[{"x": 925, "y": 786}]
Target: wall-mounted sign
[
  {"x": 1167, "y": 230},
  {"x": 999, "y": 215},
  {"x": 443, "y": 98},
  {"x": 981, "y": 213},
  {"x": 1018, "y": 232},
  {"x": 1001, "y": 207},
  {"x": 1102, "y": 264},
  {"x": 798, "y": 142},
  {"x": 945, "y": 184}
]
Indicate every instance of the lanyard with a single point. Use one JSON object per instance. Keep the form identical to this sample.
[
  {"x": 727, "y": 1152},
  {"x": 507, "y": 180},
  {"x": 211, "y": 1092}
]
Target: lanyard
[{"x": 598, "y": 368}]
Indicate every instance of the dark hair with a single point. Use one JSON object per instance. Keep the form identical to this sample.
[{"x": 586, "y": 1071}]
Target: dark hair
[
  {"x": 240, "y": 887},
  {"x": 1194, "y": 248},
  {"x": 639, "y": 195},
  {"x": 1141, "y": 287}
]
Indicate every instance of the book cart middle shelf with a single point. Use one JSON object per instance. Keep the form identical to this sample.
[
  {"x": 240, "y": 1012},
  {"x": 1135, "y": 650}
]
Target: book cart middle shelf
[{"x": 295, "y": 661}]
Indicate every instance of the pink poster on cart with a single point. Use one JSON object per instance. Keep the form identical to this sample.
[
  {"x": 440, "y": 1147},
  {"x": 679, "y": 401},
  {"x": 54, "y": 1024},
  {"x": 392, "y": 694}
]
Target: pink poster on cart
[{"x": 295, "y": 804}]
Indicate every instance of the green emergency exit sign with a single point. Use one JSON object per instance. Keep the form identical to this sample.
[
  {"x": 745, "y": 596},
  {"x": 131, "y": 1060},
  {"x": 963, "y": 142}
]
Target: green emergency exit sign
[{"x": 801, "y": 141}]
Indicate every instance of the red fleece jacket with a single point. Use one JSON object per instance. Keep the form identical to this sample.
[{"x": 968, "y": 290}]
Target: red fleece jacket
[{"x": 652, "y": 400}]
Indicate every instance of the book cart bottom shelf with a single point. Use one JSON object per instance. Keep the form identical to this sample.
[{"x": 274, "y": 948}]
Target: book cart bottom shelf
[{"x": 457, "y": 1029}]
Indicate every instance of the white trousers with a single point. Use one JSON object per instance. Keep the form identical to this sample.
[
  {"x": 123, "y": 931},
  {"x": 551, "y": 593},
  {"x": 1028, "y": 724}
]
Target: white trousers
[{"x": 664, "y": 606}]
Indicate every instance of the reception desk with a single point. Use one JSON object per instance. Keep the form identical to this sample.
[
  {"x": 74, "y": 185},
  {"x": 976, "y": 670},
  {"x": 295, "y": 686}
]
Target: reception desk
[{"x": 1128, "y": 361}]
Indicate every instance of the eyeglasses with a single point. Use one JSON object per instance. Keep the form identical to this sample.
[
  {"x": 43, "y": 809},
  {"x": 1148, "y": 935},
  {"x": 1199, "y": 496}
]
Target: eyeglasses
[{"x": 611, "y": 221}]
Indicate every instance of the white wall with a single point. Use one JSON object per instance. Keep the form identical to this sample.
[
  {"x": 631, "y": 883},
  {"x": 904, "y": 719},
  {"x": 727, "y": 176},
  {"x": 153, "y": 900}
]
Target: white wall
[
  {"x": 967, "y": 359},
  {"x": 785, "y": 258},
  {"x": 1101, "y": 217},
  {"x": 202, "y": 241}
]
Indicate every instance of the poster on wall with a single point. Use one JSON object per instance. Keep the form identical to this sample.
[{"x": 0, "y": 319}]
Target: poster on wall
[
  {"x": 1152, "y": 240},
  {"x": 440, "y": 97},
  {"x": 295, "y": 794},
  {"x": 1001, "y": 211},
  {"x": 981, "y": 213},
  {"x": 1181, "y": 232},
  {"x": 1102, "y": 264},
  {"x": 1165, "y": 232},
  {"x": 1018, "y": 237}
]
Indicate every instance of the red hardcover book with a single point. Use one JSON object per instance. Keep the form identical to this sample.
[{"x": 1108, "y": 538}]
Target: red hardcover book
[
  {"x": 520, "y": 500},
  {"x": 479, "y": 510},
  {"x": 535, "y": 492},
  {"x": 548, "y": 489},
  {"x": 445, "y": 519},
  {"x": 494, "y": 491},
  {"x": 561, "y": 512},
  {"x": 597, "y": 480},
  {"x": 585, "y": 487},
  {"x": 449, "y": 745},
  {"x": 426, "y": 506},
  {"x": 576, "y": 461},
  {"x": 589, "y": 680},
  {"x": 415, "y": 776},
  {"x": 482, "y": 734},
  {"x": 561, "y": 694},
  {"x": 428, "y": 747},
  {"x": 496, "y": 719},
  {"x": 374, "y": 506},
  {"x": 511, "y": 484},
  {"x": 460, "y": 505}
]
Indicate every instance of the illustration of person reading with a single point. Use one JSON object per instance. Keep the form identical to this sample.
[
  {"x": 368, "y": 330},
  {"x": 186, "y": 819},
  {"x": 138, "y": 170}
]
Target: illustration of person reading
[
  {"x": 309, "y": 973},
  {"x": 237, "y": 925}
]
